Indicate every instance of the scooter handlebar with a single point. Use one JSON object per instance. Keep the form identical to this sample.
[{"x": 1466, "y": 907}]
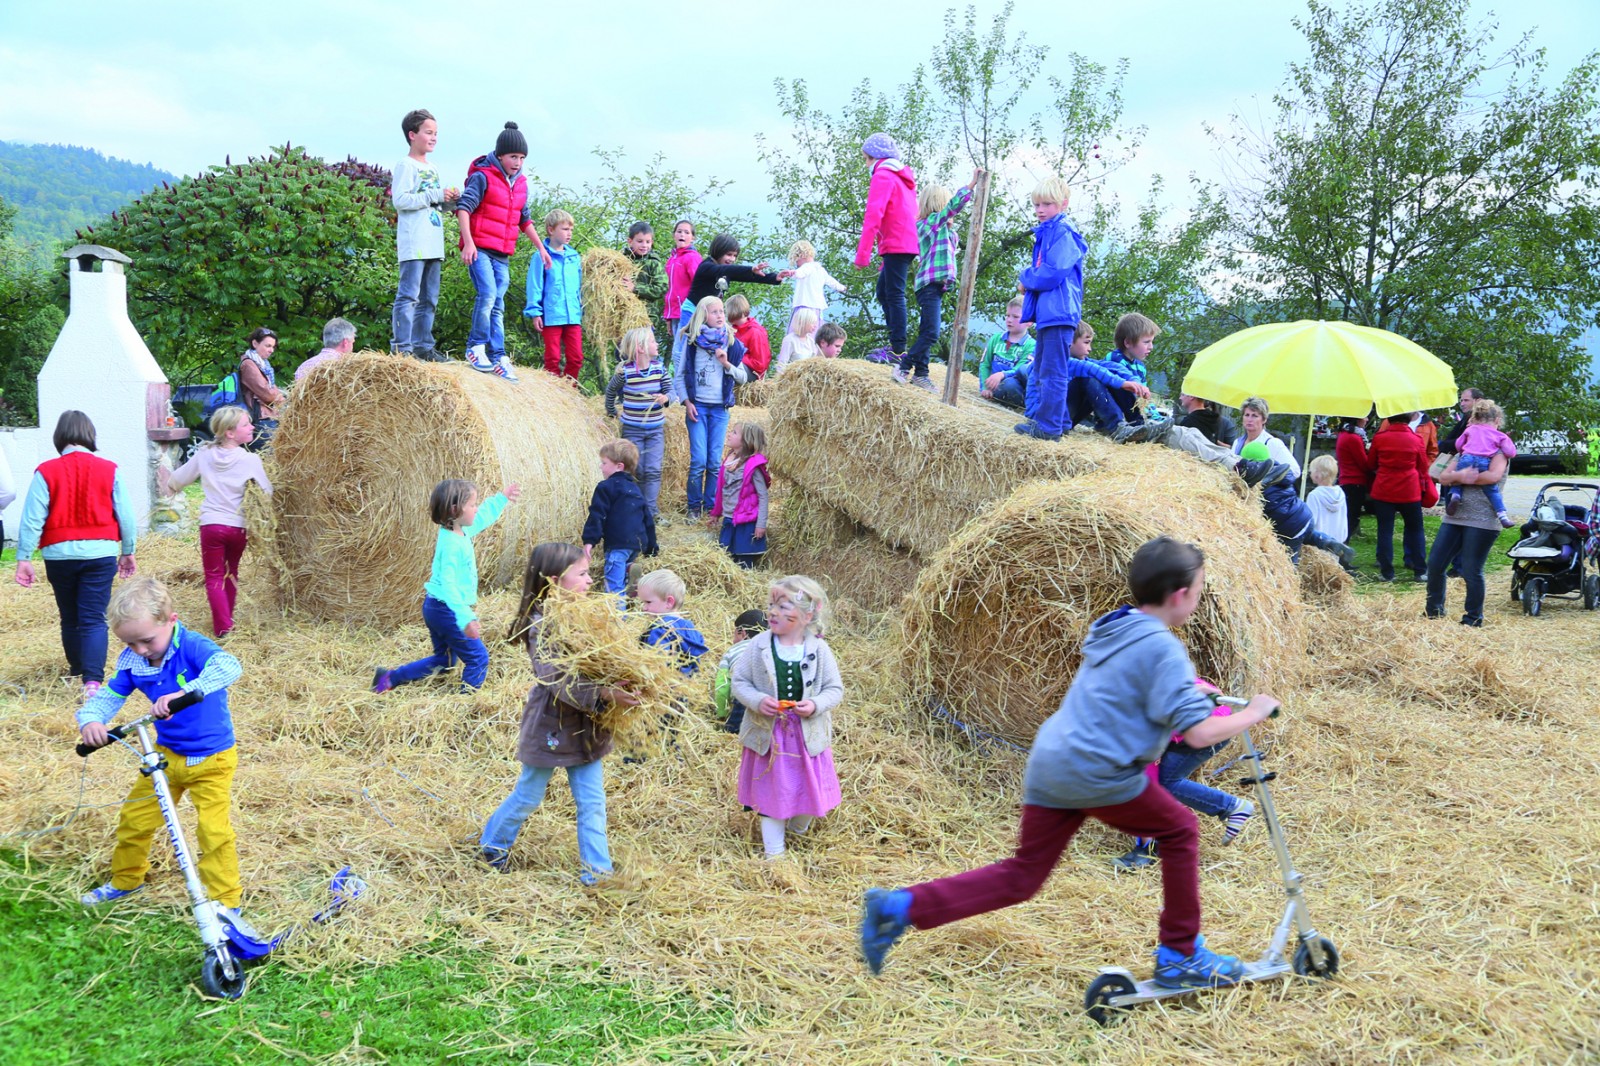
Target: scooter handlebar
[
  {"x": 85, "y": 750},
  {"x": 188, "y": 699},
  {"x": 1240, "y": 701}
]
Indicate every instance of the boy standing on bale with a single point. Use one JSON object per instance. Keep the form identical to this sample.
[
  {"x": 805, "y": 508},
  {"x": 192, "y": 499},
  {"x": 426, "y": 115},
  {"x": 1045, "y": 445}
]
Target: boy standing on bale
[
  {"x": 492, "y": 210},
  {"x": 417, "y": 193},
  {"x": 1135, "y": 689},
  {"x": 555, "y": 303},
  {"x": 649, "y": 281},
  {"x": 1052, "y": 299}
]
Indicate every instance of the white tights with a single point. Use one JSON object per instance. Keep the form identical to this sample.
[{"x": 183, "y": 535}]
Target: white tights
[{"x": 773, "y": 830}]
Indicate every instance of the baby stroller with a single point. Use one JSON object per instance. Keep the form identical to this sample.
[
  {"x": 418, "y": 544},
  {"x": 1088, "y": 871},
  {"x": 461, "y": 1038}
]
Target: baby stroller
[{"x": 1560, "y": 536}]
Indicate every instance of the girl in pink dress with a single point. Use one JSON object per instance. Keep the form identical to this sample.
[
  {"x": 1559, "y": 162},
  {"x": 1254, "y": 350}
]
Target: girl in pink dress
[{"x": 790, "y": 681}]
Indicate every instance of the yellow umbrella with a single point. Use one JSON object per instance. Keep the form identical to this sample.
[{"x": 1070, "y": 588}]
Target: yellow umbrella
[{"x": 1322, "y": 368}]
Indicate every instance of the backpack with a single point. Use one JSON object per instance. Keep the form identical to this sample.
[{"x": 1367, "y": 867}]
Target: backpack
[{"x": 226, "y": 394}]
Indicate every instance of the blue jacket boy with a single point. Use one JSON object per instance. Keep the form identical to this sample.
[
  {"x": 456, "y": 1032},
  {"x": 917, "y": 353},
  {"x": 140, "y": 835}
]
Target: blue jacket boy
[
  {"x": 678, "y": 632},
  {"x": 553, "y": 291},
  {"x": 1053, "y": 286}
]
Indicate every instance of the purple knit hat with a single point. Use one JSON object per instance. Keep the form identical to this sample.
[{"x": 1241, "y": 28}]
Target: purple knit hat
[{"x": 881, "y": 146}]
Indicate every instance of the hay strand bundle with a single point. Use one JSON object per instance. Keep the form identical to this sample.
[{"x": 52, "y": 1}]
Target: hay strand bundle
[
  {"x": 994, "y": 626},
  {"x": 853, "y": 438},
  {"x": 610, "y": 307},
  {"x": 363, "y": 441}
]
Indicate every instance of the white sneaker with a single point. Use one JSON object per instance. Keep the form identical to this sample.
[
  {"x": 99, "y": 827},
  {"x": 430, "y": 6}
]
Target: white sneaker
[
  {"x": 900, "y": 376},
  {"x": 478, "y": 359},
  {"x": 503, "y": 366}
]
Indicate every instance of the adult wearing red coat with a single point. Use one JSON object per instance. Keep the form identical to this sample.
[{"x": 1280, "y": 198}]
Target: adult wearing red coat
[
  {"x": 1350, "y": 452},
  {"x": 1399, "y": 463}
]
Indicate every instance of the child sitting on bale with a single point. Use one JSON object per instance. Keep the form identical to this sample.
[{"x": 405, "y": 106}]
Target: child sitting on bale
[
  {"x": 1008, "y": 351},
  {"x": 1135, "y": 689},
  {"x": 789, "y": 682},
  {"x": 558, "y": 725},
  {"x": 452, "y": 589}
]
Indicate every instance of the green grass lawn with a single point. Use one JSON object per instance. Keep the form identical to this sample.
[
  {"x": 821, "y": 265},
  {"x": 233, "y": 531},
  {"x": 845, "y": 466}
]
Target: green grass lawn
[
  {"x": 82, "y": 987},
  {"x": 1366, "y": 547}
]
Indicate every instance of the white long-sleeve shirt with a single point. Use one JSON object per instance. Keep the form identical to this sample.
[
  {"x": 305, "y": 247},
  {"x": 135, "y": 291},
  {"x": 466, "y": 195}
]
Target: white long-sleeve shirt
[{"x": 808, "y": 285}]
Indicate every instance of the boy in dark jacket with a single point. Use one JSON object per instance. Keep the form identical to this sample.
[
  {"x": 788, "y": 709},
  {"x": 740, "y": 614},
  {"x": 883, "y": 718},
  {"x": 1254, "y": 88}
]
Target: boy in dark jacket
[
  {"x": 649, "y": 282},
  {"x": 618, "y": 516}
]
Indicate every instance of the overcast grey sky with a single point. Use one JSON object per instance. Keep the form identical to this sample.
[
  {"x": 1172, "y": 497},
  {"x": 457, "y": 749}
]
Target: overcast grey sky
[{"x": 182, "y": 84}]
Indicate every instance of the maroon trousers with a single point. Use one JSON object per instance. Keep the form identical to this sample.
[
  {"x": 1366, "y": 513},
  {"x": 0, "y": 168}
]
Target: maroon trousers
[
  {"x": 221, "y": 548},
  {"x": 1045, "y": 834},
  {"x": 569, "y": 339}
]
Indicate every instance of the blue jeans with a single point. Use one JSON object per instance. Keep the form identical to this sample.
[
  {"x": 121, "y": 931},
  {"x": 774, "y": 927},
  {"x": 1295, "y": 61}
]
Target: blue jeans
[
  {"x": 1177, "y": 764},
  {"x": 705, "y": 454},
  {"x": 930, "y": 299},
  {"x": 1086, "y": 394},
  {"x": 449, "y": 645},
  {"x": 651, "y": 442},
  {"x": 617, "y": 560},
  {"x": 491, "y": 277},
  {"x": 1413, "y": 542},
  {"x": 83, "y": 592},
  {"x": 1490, "y": 492},
  {"x": 1050, "y": 378},
  {"x": 1469, "y": 547},
  {"x": 892, "y": 296},
  {"x": 414, "y": 304},
  {"x": 588, "y": 784},
  {"x": 1011, "y": 392}
]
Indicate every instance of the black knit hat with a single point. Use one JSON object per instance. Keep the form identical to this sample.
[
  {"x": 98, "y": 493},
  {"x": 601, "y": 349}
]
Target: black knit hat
[{"x": 511, "y": 141}]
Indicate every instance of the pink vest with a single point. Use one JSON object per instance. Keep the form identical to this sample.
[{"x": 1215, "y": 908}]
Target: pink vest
[{"x": 748, "y": 505}]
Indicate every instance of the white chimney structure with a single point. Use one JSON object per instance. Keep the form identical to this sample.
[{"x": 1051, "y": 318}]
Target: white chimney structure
[{"x": 100, "y": 366}]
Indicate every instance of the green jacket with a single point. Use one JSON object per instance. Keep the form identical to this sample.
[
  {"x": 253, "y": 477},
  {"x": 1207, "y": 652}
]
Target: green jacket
[{"x": 650, "y": 283}]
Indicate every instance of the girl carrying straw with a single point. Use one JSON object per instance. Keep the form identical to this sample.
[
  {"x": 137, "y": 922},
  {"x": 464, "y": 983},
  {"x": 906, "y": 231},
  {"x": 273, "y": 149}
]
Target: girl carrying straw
[
  {"x": 224, "y": 467},
  {"x": 712, "y": 364},
  {"x": 790, "y": 683},
  {"x": 646, "y": 390},
  {"x": 740, "y": 509},
  {"x": 558, "y": 725},
  {"x": 452, "y": 589}
]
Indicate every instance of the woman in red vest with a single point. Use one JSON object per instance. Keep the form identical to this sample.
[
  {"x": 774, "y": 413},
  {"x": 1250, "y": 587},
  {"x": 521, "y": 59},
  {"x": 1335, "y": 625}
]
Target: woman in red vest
[{"x": 77, "y": 513}]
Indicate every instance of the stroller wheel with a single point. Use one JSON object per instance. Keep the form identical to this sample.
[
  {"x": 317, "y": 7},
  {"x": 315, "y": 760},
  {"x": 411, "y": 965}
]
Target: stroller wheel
[
  {"x": 1516, "y": 587},
  {"x": 1591, "y": 592},
  {"x": 1533, "y": 596}
]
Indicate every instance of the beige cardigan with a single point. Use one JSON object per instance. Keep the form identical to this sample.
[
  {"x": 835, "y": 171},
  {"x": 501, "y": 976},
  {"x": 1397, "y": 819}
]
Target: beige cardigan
[{"x": 756, "y": 676}]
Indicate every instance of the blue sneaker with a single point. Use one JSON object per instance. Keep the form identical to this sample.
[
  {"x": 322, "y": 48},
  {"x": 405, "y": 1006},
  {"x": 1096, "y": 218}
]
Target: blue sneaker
[
  {"x": 1204, "y": 969},
  {"x": 884, "y": 920},
  {"x": 107, "y": 894},
  {"x": 497, "y": 859}
]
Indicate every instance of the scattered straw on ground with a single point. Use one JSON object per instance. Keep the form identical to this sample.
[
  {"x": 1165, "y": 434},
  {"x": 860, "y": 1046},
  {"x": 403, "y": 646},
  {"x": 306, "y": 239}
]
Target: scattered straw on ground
[
  {"x": 1448, "y": 841},
  {"x": 364, "y": 440}
]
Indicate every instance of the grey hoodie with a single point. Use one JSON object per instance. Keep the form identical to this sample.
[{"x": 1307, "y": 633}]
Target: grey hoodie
[{"x": 1135, "y": 689}]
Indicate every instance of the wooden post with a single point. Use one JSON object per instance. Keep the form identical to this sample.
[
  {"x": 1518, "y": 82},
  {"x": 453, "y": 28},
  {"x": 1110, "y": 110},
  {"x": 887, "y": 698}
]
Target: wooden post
[{"x": 969, "y": 281}]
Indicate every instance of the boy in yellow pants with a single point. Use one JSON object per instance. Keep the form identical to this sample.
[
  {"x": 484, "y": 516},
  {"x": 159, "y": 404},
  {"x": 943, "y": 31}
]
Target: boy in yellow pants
[{"x": 180, "y": 671}]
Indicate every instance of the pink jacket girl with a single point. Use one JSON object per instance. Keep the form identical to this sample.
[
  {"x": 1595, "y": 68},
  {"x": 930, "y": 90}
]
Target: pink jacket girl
[{"x": 743, "y": 479}]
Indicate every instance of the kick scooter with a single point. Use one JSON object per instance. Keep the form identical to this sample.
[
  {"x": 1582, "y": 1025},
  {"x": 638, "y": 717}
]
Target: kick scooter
[
  {"x": 1116, "y": 989},
  {"x": 229, "y": 941}
]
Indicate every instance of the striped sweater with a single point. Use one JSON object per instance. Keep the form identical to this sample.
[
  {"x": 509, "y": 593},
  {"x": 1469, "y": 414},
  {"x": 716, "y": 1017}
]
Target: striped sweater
[{"x": 637, "y": 389}]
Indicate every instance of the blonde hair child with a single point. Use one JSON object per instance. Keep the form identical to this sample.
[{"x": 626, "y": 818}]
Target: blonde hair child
[
  {"x": 558, "y": 727},
  {"x": 224, "y": 467},
  {"x": 177, "y": 670},
  {"x": 937, "y": 247},
  {"x": 451, "y": 592},
  {"x": 638, "y": 396},
  {"x": 811, "y": 279},
  {"x": 712, "y": 363},
  {"x": 1476, "y": 448},
  {"x": 801, "y": 341},
  {"x": 1330, "y": 514},
  {"x": 554, "y": 306},
  {"x": 739, "y": 513},
  {"x": 789, "y": 681}
]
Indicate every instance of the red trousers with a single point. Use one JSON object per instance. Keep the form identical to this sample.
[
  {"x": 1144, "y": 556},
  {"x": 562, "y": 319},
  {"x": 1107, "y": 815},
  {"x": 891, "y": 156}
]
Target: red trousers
[
  {"x": 1045, "y": 834},
  {"x": 555, "y": 339},
  {"x": 221, "y": 548}
]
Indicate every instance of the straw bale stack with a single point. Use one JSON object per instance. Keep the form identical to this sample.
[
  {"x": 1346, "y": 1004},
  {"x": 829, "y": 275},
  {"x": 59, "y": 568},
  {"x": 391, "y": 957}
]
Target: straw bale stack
[
  {"x": 810, "y": 537},
  {"x": 363, "y": 441},
  {"x": 994, "y": 626},
  {"x": 901, "y": 463},
  {"x": 610, "y": 307}
]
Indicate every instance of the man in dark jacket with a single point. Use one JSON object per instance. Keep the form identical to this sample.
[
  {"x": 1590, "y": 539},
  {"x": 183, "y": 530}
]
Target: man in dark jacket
[
  {"x": 1208, "y": 418},
  {"x": 1468, "y": 398}
]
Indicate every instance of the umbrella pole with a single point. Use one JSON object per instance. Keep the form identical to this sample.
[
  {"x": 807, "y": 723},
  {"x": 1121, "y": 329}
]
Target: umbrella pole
[{"x": 1305, "y": 458}]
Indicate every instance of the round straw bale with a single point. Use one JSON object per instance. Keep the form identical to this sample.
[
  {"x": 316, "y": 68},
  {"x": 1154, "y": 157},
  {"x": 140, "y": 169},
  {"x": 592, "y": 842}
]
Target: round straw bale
[
  {"x": 610, "y": 307},
  {"x": 757, "y": 393},
  {"x": 994, "y": 626},
  {"x": 808, "y": 536},
  {"x": 364, "y": 440},
  {"x": 846, "y": 431}
]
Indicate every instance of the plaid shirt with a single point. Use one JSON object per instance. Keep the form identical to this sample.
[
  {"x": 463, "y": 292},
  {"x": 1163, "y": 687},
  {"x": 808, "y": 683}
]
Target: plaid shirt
[{"x": 936, "y": 238}]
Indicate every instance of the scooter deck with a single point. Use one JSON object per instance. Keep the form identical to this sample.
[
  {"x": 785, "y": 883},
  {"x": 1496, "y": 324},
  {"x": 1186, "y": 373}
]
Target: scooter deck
[{"x": 1144, "y": 991}]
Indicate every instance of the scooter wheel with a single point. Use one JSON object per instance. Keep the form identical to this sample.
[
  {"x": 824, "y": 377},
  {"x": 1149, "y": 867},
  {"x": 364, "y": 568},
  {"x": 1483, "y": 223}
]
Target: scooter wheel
[
  {"x": 1306, "y": 966},
  {"x": 1102, "y": 990},
  {"x": 214, "y": 980}
]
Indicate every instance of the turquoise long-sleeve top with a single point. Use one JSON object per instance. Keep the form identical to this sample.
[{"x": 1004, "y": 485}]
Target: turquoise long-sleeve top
[{"x": 454, "y": 581}]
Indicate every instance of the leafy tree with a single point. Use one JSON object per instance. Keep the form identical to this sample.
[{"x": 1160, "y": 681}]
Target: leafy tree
[
  {"x": 283, "y": 241},
  {"x": 1416, "y": 180},
  {"x": 30, "y": 319}
]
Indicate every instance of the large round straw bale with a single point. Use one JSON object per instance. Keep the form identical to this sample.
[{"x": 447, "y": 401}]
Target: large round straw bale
[
  {"x": 900, "y": 462},
  {"x": 994, "y": 626},
  {"x": 610, "y": 307},
  {"x": 810, "y": 537},
  {"x": 362, "y": 442}
]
